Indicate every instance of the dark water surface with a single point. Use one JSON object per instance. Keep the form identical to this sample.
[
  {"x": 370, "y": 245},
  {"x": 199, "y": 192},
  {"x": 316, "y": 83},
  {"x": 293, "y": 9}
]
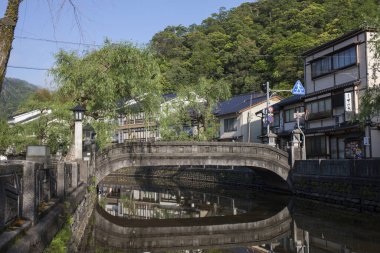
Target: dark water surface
[{"x": 160, "y": 215}]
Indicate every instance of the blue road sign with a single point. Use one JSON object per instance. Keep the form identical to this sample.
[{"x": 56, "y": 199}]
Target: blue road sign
[{"x": 298, "y": 89}]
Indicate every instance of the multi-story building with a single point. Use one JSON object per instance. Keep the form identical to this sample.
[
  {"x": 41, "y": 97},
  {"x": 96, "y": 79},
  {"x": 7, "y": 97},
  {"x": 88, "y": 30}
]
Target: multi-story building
[
  {"x": 336, "y": 75},
  {"x": 238, "y": 119},
  {"x": 137, "y": 125}
]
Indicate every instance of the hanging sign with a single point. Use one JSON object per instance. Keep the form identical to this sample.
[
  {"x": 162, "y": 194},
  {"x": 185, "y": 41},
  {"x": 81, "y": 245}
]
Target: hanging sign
[{"x": 348, "y": 102}]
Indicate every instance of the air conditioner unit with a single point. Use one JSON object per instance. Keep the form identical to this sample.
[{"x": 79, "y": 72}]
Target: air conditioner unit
[{"x": 339, "y": 119}]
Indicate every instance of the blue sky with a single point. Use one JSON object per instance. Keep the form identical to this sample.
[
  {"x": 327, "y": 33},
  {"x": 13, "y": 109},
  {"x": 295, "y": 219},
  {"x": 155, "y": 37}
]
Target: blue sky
[{"x": 119, "y": 20}]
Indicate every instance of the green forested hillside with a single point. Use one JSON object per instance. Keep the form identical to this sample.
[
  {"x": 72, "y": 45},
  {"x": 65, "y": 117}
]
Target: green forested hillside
[
  {"x": 256, "y": 42},
  {"x": 14, "y": 92}
]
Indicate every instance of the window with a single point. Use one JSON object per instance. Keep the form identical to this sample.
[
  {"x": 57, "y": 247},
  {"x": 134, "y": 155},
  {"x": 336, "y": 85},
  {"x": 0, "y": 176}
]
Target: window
[
  {"x": 323, "y": 105},
  {"x": 289, "y": 114},
  {"x": 316, "y": 146},
  {"x": 337, "y": 100},
  {"x": 321, "y": 67},
  {"x": 230, "y": 125},
  {"x": 276, "y": 121},
  {"x": 329, "y": 63},
  {"x": 344, "y": 58}
]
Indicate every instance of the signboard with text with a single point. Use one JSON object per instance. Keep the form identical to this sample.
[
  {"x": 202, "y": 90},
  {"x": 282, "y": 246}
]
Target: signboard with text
[{"x": 348, "y": 102}]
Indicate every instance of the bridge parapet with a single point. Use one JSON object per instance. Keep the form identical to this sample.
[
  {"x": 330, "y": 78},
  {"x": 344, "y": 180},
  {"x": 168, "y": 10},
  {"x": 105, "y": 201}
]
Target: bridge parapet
[
  {"x": 28, "y": 188},
  {"x": 191, "y": 153}
]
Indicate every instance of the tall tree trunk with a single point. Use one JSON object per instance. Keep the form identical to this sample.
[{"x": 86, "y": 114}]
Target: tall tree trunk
[{"x": 7, "y": 29}]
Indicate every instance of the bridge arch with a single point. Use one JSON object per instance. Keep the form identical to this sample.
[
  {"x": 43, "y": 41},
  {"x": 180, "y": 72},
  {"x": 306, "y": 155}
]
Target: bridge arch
[{"x": 140, "y": 154}]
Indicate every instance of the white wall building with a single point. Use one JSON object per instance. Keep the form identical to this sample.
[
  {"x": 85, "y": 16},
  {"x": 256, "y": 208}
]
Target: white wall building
[
  {"x": 238, "y": 119},
  {"x": 336, "y": 75}
]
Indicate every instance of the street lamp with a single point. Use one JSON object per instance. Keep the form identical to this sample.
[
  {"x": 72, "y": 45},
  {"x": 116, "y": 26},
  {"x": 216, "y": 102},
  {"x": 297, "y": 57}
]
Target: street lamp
[
  {"x": 78, "y": 132},
  {"x": 78, "y": 112}
]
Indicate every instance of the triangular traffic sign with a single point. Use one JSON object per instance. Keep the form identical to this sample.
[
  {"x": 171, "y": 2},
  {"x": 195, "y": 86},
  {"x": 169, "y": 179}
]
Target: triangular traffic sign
[{"x": 298, "y": 89}]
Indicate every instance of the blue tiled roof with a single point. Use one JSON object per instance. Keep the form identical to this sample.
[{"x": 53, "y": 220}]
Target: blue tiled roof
[{"x": 238, "y": 103}]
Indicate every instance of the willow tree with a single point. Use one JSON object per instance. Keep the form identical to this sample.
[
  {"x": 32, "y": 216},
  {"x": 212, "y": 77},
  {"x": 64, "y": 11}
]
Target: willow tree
[
  {"x": 102, "y": 79},
  {"x": 7, "y": 29},
  {"x": 194, "y": 109}
]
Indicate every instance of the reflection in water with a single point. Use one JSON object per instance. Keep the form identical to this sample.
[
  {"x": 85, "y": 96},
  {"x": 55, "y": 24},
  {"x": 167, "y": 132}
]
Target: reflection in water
[
  {"x": 137, "y": 203},
  {"x": 164, "y": 216}
]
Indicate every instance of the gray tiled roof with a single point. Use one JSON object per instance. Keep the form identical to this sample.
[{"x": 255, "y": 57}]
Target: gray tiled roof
[{"x": 238, "y": 103}]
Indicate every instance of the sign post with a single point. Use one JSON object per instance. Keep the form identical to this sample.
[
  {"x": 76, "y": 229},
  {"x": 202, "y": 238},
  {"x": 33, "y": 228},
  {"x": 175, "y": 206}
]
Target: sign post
[{"x": 298, "y": 89}]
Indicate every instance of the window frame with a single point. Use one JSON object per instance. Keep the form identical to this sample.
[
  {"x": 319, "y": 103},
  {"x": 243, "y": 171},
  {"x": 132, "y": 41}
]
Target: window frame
[
  {"x": 317, "y": 65},
  {"x": 291, "y": 114},
  {"x": 319, "y": 114},
  {"x": 227, "y": 124},
  {"x": 316, "y": 146}
]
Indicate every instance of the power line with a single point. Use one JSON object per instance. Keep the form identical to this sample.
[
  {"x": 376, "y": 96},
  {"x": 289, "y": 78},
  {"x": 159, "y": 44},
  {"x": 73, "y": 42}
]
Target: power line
[
  {"x": 56, "y": 41},
  {"x": 25, "y": 67}
]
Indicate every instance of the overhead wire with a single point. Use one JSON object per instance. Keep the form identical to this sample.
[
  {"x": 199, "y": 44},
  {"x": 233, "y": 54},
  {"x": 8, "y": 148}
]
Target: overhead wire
[
  {"x": 56, "y": 41},
  {"x": 50, "y": 41}
]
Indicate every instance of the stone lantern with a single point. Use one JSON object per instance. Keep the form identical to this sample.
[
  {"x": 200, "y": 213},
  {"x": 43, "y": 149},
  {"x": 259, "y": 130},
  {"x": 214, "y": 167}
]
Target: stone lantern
[{"x": 78, "y": 135}]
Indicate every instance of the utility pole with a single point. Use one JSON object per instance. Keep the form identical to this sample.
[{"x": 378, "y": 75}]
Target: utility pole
[
  {"x": 268, "y": 97},
  {"x": 249, "y": 120},
  {"x": 298, "y": 89}
]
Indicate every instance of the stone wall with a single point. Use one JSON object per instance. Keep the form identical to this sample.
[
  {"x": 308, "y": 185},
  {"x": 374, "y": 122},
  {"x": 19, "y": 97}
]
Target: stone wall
[
  {"x": 354, "y": 183},
  {"x": 81, "y": 218}
]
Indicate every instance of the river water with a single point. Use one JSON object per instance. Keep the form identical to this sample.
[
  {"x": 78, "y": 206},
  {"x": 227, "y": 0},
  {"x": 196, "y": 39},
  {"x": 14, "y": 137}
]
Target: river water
[{"x": 163, "y": 215}]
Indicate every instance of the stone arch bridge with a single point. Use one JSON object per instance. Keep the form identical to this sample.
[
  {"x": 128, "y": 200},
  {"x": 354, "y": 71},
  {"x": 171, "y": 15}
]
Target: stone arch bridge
[{"x": 260, "y": 156}]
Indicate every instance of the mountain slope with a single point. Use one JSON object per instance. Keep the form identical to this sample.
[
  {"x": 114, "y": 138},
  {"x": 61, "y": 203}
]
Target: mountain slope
[
  {"x": 256, "y": 42},
  {"x": 14, "y": 92}
]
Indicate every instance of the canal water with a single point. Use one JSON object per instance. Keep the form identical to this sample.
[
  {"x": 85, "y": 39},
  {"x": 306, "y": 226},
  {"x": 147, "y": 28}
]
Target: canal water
[{"x": 165, "y": 215}]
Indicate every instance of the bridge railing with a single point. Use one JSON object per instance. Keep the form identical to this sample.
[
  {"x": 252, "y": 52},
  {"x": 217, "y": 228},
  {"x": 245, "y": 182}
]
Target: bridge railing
[{"x": 28, "y": 189}]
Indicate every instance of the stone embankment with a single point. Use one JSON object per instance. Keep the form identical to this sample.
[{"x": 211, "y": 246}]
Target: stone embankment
[{"x": 352, "y": 183}]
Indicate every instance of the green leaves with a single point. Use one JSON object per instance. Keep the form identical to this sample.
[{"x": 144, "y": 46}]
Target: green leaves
[
  {"x": 190, "y": 115},
  {"x": 99, "y": 79},
  {"x": 256, "y": 42}
]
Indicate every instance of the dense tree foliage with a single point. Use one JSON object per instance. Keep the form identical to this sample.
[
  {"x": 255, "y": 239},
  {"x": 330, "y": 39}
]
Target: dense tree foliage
[
  {"x": 255, "y": 42},
  {"x": 101, "y": 80},
  {"x": 52, "y": 127},
  {"x": 190, "y": 116}
]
